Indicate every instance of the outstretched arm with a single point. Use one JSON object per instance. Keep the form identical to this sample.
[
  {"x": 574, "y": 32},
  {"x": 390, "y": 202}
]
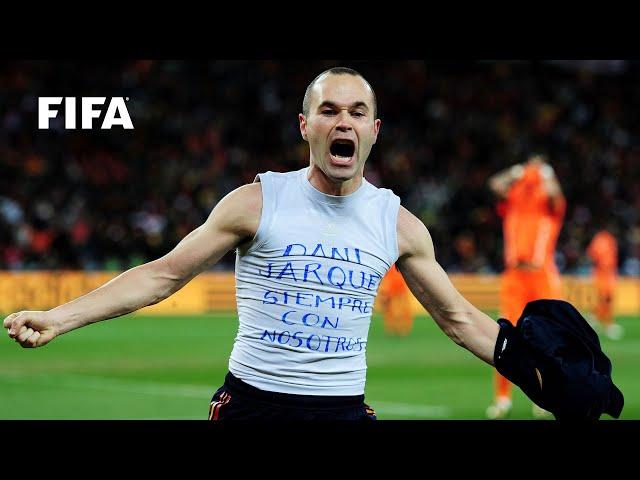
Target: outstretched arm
[
  {"x": 461, "y": 321},
  {"x": 234, "y": 220},
  {"x": 501, "y": 344}
]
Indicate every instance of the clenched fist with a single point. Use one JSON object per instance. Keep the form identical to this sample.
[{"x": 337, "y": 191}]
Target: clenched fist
[{"x": 30, "y": 328}]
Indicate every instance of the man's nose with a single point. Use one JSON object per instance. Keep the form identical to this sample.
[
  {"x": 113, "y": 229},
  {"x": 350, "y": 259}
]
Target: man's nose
[{"x": 344, "y": 125}]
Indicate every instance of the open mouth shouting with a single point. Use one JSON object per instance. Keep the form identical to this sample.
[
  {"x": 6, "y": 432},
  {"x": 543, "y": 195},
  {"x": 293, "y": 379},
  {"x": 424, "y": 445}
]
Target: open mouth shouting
[{"x": 342, "y": 152}]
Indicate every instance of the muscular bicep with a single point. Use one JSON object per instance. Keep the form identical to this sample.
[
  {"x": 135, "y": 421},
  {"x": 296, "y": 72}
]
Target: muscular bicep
[
  {"x": 234, "y": 220},
  {"x": 432, "y": 287},
  {"x": 425, "y": 277}
]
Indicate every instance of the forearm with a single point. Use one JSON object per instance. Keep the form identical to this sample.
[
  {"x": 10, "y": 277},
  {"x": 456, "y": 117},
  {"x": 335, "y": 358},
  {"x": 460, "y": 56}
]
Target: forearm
[
  {"x": 480, "y": 335},
  {"x": 457, "y": 318},
  {"x": 472, "y": 329},
  {"x": 552, "y": 187},
  {"x": 134, "y": 289},
  {"x": 501, "y": 181}
]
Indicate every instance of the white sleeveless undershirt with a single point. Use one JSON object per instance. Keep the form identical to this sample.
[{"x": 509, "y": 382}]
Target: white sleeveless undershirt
[{"x": 306, "y": 286}]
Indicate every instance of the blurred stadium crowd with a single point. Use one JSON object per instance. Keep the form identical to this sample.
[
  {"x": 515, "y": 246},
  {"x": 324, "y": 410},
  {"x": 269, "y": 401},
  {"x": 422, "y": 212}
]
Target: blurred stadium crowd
[{"x": 112, "y": 199}]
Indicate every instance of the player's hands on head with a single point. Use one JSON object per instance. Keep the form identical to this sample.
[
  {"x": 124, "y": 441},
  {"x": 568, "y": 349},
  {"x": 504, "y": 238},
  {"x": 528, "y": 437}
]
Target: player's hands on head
[
  {"x": 30, "y": 328},
  {"x": 517, "y": 171}
]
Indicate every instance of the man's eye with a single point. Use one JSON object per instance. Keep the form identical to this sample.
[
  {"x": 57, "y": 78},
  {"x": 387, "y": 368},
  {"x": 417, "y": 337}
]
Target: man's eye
[
  {"x": 358, "y": 114},
  {"x": 327, "y": 112}
]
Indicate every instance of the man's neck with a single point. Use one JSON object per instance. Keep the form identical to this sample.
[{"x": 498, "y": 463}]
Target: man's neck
[{"x": 324, "y": 184}]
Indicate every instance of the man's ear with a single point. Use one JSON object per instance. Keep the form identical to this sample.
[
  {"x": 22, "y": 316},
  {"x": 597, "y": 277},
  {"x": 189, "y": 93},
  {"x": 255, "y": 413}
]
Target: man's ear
[
  {"x": 376, "y": 129},
  {"x": 303, "y": 126}
]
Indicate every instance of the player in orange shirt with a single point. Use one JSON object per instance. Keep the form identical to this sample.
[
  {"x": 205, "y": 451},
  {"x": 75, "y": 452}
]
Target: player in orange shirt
[
  {"x": 532, "y": 208},
  {"x": 603, "y": 251},
  {"x": 395, "y": 300}
]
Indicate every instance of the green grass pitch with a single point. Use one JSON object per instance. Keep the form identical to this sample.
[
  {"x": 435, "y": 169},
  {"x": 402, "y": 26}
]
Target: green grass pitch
[{"x": 168, "y": 368}]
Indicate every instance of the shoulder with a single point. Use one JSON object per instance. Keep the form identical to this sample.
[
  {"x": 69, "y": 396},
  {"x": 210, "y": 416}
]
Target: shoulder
[
  {"x": 247, "y": 198},
  {"x": 413, "y": 235},
  {"x": 239, "y": 211},
  {"x": 382, "y": 192},
  {"x": 278, "y": 177},
  {"x": 381, "y": 200}
]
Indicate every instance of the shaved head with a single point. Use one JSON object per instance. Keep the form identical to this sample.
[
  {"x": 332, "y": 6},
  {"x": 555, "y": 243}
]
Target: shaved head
[{"x": 306, "y": 102}]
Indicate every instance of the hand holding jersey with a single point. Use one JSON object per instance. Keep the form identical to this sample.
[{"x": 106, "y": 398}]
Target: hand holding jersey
[{"x": 554, "y": 356}]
